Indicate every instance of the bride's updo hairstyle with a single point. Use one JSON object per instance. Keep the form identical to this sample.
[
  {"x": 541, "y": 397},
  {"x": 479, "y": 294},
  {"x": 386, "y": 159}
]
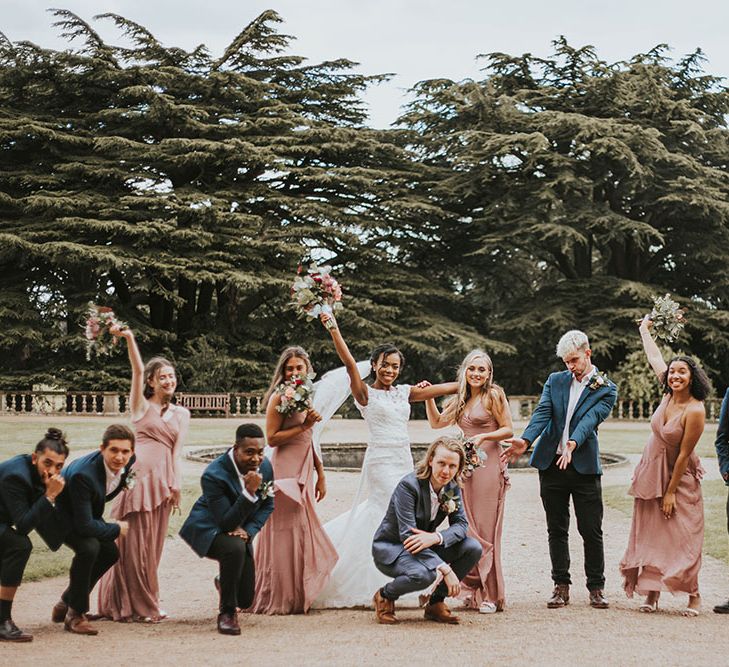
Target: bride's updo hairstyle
[
  {"x": 53, "y": 440},
  {"x": 380, "y": 352}
]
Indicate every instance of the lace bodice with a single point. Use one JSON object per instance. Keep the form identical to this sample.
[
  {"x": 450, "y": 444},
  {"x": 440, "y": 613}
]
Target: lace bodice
[{"x": 387, "y": 413}]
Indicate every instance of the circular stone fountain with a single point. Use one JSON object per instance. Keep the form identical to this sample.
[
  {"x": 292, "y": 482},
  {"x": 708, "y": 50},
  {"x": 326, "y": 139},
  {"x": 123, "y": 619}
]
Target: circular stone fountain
[{"x": 349, "y": 456}]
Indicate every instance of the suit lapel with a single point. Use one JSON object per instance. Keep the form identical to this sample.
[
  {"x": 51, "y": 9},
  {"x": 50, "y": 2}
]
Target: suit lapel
[
  {"x": 232, "y": 474},
  {"x": 566, "y": 392},
  {"x": 422, "y": 516}
]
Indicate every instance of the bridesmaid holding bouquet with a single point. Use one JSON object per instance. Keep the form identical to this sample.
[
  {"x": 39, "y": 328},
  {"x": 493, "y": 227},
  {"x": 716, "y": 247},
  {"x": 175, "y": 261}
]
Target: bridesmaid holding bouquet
[
  {"x": 667, "y": 530},
  {"x": 481, "y": 411},
  {"x": 130, "y": 590},
  {"x": 294, "y": 556}
]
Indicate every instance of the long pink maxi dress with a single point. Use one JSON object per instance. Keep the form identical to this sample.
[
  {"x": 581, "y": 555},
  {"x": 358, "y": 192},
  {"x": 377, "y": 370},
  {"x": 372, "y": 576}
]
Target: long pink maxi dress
[
  {"x": 664, "y": 554},
  {"x": 293, "y": 555},
  {"x": 484, "y": 494},
  {"x": 130, "y": 589}
]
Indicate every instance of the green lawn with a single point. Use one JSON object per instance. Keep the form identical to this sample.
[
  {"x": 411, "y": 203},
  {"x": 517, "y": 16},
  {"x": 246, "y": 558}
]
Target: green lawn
[{"x": 716, "y": 543}]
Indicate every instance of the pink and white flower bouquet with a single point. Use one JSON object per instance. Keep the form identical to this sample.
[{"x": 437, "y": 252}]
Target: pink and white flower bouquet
[
  {"x": 98, "y": 338},
  {"x": 296, "y": 394},
  {"x": 316, "y": 292}
]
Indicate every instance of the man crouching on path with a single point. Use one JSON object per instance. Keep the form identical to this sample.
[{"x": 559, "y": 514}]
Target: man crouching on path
[
  {"x": 237, "y": 499},
  {"x": 407, "y": 546}
]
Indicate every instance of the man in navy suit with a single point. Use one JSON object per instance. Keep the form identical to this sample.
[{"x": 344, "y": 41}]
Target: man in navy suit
[
  {"x": 722, "y": 454},
  {"x": 565, "y": 422},
  {"x": 236, "y": 500},
  {"x": 407, "y": 545},
  {"x": 91, "y": 481},
  {"x": 29, "y": 486}
]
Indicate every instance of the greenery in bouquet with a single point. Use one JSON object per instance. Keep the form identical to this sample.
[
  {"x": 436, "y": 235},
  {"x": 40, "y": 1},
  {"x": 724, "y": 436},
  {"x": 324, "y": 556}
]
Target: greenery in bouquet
[
  {"x": 98, "y": 339},
  {"x": 668, "y": 318},
  {"x": 316, "y": 292},
  {"x": 296, "y": 394}
]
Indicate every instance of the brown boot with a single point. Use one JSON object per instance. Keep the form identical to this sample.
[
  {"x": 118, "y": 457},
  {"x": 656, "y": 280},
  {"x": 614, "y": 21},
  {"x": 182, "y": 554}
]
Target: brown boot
[
  {"x": 78, "y": 624},
  {"x": 598, "y": 599},
  {"x": 384, "y": 610},
  {"x": 59, "y": 611},
  {"x": 560, "y": 596},
  {"x": 440, "y": 613}
]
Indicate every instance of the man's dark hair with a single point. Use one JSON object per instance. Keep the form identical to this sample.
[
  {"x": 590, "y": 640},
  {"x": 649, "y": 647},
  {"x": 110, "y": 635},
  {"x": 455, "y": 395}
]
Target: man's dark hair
[
  {"x": 117, "y": 432},
  {"x": 53, "y": 440},
  {"x": 247, "y": 431}
]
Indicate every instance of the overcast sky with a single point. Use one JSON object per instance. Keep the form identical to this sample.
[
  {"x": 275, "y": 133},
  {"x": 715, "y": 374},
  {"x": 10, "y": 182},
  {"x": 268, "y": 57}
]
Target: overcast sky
[{"x": 415, "y": 39}]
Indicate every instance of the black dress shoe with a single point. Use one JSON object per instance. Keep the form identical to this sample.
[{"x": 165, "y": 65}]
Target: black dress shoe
[
  {"x": 228, "y": 624},
  {"x": 9, "y": 632},
  {"x": 598, "y": 600},
  {"x": 722, "y": 608}
]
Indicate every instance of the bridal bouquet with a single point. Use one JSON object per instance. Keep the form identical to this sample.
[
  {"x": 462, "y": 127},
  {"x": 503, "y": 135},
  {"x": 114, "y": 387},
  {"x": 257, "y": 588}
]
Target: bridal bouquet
[
  {"x": 98, "y": 338},
  {"x": 668, "y": 318},
  {"x": 296, "y": 394},
  {"x": 475, "y": 457},
  {"x": 316, "y": 292}
]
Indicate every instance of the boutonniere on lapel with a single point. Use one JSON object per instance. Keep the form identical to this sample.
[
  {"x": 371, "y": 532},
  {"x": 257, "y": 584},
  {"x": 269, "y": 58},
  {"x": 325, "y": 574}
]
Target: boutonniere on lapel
[
  {"x": 265, "y": 490},
  {"x": 450, "y": 501},
  {"x": 131, "y": 480},
  {"x": 598, "y": 380}
]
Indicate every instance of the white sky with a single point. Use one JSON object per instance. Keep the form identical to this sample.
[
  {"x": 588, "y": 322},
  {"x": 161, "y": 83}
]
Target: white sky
[{"x": 416, "y": 39}]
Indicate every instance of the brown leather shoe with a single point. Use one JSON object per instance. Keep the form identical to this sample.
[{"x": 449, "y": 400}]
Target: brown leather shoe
[
  {"x": 9, "y": 632},
  {"x": 78, "y": 624},
  {"x": 560, "y": 596},
  {"x": 228, "y": 624},
  {"x": 59, "y": 611},
  {"x": 384, "y": 610},
  {"x": 598, "y": 600},
  {"x": 440, "y": 613}
]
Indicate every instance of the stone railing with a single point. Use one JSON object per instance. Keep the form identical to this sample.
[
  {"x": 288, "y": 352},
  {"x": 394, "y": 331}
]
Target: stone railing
[{"x": 77, "y": 403}]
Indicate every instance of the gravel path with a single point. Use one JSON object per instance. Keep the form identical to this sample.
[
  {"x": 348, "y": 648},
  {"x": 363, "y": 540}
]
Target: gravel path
[{"x": 526, "y": 633}]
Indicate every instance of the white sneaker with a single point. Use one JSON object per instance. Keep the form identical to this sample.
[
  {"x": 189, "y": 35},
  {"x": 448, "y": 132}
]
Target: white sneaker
[{"x": 487, "y": 608}]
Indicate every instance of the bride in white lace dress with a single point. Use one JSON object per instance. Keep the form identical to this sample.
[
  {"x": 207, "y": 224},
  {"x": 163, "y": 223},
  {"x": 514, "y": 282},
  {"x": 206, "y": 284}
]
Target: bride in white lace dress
[{"x": 385, "y": 408}]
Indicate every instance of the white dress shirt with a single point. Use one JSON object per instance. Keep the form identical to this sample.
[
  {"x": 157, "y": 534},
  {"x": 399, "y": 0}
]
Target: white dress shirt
[
  {"x": 112, "y": 479},
  {"x": 250, "y": 497},
  {"x": 576, "y": 389}
]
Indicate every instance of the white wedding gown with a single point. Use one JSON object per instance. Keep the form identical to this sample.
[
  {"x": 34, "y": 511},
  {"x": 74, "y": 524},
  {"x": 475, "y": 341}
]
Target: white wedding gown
[{"x": 387, "y": 460}]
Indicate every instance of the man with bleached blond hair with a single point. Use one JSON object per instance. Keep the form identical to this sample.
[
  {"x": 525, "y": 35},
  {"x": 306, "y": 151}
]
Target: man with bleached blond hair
[{"x": 573, "y": 404}]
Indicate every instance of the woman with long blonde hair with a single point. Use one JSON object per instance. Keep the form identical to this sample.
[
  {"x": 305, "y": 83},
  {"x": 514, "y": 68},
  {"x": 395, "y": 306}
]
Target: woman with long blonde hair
[
  {"x": 481, "y": 411},
  {"x": 294, "y": 556}
]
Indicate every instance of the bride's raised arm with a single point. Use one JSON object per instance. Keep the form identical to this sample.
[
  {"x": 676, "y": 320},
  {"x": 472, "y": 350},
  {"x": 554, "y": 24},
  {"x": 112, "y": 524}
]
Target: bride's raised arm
[
  {"x": 356, "y": 383},
  {"x": 655, "y": 358}
]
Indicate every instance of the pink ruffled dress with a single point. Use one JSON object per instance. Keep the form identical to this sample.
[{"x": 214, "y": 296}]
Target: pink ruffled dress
[
  {"x": 130, "y": 589},
  {"x": 664, "y": 554},
  {"x": 294, "y": 557},
  {"x": 484, "y": 494}
]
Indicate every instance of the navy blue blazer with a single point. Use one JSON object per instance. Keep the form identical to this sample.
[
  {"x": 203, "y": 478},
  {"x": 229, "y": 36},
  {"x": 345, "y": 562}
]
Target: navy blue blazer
[
  {"x": 722, "y": 439},
  {"x": 547, "y": 422},
  {"x": 85, "y": 495},
  {"x": 222, "y": 507},
  {"x": 410, "y": 508},
  {"x": 23, "y": 503}
]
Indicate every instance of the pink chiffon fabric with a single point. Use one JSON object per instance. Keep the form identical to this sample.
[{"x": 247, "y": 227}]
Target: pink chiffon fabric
[
  {"x": 293, "y": 555},
  {"x": 664, "y": 554},
  {"x": 484, "y": 494},
  {"x": 130, "y": 589}
]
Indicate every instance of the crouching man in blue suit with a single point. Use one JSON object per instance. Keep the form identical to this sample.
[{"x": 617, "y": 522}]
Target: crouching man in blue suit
[
  {"x": 407, "y": 546},
  {"x": 237, "y": 499}
]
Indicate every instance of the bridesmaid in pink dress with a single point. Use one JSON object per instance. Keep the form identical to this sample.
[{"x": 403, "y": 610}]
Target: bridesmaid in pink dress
[
  {"x": 481, "y": 411},
  {"x": 294, "y": 556},
  {"x": 130, "y": 590},
  {"x": 667, "y": 531}
]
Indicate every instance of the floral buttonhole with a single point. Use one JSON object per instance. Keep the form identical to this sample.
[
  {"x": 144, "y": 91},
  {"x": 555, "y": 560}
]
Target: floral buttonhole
[
  {"x": 598, "y": 380},
  {"x": 265, "y": 490},
  {"x": 450, "y": 501},
  {"x": 131, "y": 481}
]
